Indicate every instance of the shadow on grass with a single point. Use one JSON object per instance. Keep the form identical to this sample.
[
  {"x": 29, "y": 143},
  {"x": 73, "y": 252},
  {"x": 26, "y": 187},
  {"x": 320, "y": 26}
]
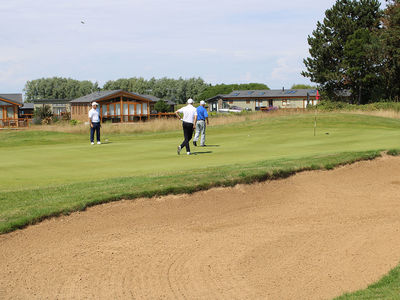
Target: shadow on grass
[{"x": 201, "y": 152}]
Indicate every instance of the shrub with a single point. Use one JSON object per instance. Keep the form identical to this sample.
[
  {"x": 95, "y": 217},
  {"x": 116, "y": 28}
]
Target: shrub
[
  {"x": 161, "y": 106},
  {"x": 74, "y": 122}
]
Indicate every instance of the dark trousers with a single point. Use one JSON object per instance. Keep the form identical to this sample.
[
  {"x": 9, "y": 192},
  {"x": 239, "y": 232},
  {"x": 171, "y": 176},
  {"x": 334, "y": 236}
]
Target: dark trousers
[
  {"x": 96, "y": 127},
  {"x": 187, "y": 133}
]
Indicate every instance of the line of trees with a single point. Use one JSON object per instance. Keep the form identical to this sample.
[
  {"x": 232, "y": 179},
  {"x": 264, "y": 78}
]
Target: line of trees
[
  {"x": 58, "y": 88},
  {"x": 356, "y": 48},
  {"x": 177, "y": 90}
]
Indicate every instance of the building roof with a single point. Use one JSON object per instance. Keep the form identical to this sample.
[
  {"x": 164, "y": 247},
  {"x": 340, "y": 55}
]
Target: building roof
[
  {"x": 15, "y": 98},
  {"x": 156, "y": 99},
  {"x": 216, "y": 97},
  {"x": 102, "y": 94},
  {"x": 272, "y": 93},
  {"x": 27, "y": 106},
  {"x": 51, "y": 101}
]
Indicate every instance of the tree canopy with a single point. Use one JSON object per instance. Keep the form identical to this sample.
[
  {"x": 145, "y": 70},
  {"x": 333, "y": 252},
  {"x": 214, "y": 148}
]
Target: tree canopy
[
  {"x": 58, "y": 88},
  {"x": 178, "y": 90},
  {"x": 341, "y": 47},
  {"x": 303, "y": 87}
]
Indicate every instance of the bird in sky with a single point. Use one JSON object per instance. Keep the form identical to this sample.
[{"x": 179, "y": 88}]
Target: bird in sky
[{"x": 82, "y": 22}]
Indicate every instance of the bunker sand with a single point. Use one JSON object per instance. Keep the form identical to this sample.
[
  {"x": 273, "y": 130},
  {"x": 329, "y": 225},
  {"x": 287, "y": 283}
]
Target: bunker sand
[{"x": 315, "y": 235}]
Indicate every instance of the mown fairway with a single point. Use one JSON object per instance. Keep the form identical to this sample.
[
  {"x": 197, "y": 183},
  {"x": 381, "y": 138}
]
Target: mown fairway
[
  {"x": 46, "y": 173},
  {"x": 40, "y": 159}
]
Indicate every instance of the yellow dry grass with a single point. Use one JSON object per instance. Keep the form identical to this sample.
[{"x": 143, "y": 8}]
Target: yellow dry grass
[{"x": 159, "y": 125}]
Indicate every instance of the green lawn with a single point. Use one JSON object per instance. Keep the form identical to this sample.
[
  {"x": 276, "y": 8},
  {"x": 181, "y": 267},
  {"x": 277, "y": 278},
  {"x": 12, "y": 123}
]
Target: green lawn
[{"x": 44, "y": 174}]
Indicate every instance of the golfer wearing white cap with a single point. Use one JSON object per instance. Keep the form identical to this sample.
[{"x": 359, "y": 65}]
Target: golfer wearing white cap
[
  {"x": 189, "y": 124},
  {"x": 94, "y": 119},
  {"x": 202, "y": 117}
]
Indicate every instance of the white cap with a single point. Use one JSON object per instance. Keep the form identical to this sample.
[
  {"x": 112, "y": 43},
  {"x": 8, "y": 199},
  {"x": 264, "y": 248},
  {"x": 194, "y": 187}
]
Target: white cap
[
  {"x": 202, "y": 102},
  {"x": 94, "y": 103},
  {"x": 190, "y": 101}
]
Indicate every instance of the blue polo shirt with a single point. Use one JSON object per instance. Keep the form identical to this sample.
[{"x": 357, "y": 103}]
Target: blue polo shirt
[{"x": 201, "y": 113}]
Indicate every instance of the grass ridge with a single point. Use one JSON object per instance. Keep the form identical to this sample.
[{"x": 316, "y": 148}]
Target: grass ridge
[{"x": 259, "y": 175}]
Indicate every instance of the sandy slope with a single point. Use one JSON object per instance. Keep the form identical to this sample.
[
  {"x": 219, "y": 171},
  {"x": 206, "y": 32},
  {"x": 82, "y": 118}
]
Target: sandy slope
[{"x": 312, "y": 236}]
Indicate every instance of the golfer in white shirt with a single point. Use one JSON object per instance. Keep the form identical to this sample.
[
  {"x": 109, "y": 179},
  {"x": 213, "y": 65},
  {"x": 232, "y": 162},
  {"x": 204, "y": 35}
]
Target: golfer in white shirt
[
  {"x": 94, "y": 119},
  {"x": 189, "y": 124}
]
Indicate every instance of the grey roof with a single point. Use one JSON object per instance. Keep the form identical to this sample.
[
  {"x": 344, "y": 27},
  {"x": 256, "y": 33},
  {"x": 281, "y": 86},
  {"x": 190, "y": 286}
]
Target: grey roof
[
  {"x": 216, "y": 97},
  {"x": 94, "y": 96},
  {"x": 16, "y": 98},
  {"x": 151, "y": 97},
  {"x": 102, "y": 94},
  {"x": 272, "y": 93},
  {"x": 156, "y": 99},
  {"x": 51, "y": 101},
  {"x": 27, "y": 106}
]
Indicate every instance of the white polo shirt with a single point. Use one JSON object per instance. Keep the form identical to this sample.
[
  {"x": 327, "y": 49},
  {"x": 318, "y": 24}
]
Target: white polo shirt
[
  {"x": 189, "y": 112},
  {"x": 94, "y": 115}
]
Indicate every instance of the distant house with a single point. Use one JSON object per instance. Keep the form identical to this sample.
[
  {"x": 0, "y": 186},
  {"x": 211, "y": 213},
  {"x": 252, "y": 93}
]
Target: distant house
[
  {"x": 257, "y": 99},
  {"x": 26, "y": 111},
  {"x": 115, "y": 106},
  {"x": 9, "y": 104},
  {"x": 58, "y": 107}
]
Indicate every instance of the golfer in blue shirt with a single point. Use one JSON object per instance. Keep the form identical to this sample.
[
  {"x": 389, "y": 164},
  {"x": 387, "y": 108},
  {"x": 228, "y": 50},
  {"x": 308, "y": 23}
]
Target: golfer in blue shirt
[{"x": 202, "y": 117}]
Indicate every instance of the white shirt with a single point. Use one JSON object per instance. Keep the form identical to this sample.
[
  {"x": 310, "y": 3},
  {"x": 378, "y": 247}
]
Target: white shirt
[
  {"x": 94, "y": 115},
  {"x": 189, "y": 112}
]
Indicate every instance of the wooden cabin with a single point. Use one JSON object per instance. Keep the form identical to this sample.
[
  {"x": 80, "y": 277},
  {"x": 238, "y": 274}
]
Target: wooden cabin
[
  {"x": 115, "y": 106},
  {"x": 9, "y": 104}
]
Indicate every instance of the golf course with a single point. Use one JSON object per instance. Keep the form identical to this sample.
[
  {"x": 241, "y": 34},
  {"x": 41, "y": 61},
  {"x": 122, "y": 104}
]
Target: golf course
[{"x": 47, "y": 174}]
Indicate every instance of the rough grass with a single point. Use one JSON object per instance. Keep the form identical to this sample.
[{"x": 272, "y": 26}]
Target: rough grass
[{"x": 162, "y": 125}]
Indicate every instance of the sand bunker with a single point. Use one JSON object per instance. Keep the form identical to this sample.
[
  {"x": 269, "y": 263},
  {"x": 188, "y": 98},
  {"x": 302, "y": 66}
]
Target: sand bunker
[{"x": 315, "y": 235}]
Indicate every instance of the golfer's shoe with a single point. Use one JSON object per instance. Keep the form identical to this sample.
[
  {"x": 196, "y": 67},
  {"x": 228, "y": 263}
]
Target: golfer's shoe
[
  {"x": 203, "y": 145},
  {"x": 195, "y": 143},
  {"x": 98, "y": 143},
  {"x": 179, "y": 150},
  {"x": 91, "y": 143},
  {"x": 188, "y": 153}
]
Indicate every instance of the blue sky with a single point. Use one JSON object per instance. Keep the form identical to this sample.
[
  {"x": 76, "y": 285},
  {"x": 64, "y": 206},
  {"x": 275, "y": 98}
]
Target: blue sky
[{"x": 220, "y": 41}]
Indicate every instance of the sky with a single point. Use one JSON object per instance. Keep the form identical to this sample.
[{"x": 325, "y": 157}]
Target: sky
[{"x": 99, "y": 40}]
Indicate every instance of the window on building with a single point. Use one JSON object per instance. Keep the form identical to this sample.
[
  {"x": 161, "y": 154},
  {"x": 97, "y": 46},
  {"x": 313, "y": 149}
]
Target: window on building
[
  {"x": 145, "y": 108},
  {"x": 131, "y": 109},
  {"x": 10, "y": 112},
  {"x": 248, "y": 101}
]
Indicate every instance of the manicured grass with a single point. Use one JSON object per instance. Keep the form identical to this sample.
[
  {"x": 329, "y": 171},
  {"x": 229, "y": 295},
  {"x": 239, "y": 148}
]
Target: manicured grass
[
  {"x": 386, "y": 288},
  {"x": 40, "y": 159}
]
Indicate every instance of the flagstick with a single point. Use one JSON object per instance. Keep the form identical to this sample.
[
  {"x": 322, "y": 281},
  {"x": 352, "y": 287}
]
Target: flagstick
[{"x": 315, "y": 121}]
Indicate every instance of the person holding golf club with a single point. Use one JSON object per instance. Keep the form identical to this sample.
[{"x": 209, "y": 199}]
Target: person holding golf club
[
  {"x": 189, "y": 119},
  {"x": 202, "y": 117},
  {"x": 94, "y": 119}
]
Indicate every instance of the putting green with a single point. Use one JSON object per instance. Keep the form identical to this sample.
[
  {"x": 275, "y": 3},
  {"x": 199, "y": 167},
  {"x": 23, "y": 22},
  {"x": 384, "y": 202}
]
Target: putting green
[{"x": 39, "y": 159}]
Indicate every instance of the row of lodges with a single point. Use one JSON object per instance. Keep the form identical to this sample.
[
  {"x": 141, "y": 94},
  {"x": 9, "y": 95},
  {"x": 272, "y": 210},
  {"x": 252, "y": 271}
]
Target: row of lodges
[
  {"x": 264, "y": 99},
  {"x": 114, "y": 106},
  {"x": 121, "y": 106}
]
